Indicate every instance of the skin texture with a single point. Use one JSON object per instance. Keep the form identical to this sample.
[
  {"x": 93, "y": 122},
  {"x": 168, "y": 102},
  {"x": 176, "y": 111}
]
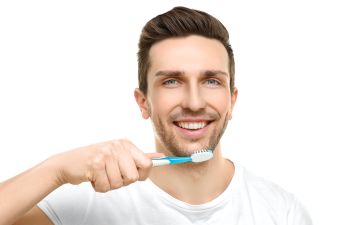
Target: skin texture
[{"x": 188, "y": 82}]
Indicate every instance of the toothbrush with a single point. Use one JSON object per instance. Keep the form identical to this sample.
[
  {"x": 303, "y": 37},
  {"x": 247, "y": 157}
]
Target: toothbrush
[{"x": 196, "y": 157}]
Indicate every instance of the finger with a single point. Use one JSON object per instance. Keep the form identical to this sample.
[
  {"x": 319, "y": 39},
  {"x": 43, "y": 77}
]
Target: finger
[
  {"x": 155, "y": 155},
  {"x": 114, "y": 177},
  {"x": 100, "y": 181},
  {"x": 142, "y": 159},
  {"x": 143, "y": 162},
  {"x": 145, "y": 168},
  {"x": 128, "y": 169}
]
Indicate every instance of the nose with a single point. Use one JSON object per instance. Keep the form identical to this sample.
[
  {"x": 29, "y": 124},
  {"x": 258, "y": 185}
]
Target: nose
[{"x": 193, "y": 99}]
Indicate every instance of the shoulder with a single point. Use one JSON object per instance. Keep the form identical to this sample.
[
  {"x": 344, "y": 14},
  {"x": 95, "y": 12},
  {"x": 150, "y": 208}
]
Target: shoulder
[
  {"x": 264, "y": 195},
  {"x": 67, "y": 204},
  {"x": 80, "y": 204},
  {"x": 257, "y": 185}
]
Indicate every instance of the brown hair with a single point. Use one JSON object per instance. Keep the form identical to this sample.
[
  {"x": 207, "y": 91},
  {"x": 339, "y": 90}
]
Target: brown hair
[{"x": 180, "y": 22}]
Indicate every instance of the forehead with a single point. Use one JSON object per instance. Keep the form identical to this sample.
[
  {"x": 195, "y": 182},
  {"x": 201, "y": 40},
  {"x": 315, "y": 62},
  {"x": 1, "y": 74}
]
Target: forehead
[{"x": 190, "y": 54}]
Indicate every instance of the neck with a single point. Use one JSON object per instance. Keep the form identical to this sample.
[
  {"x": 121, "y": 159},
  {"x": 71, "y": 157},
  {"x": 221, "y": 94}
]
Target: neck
[{"x": 195, "y": 183}]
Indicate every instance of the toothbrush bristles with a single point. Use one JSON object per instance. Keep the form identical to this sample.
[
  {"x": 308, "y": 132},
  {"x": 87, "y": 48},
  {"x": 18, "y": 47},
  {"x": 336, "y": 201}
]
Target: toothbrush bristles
[{"x": 202, "y": 155}]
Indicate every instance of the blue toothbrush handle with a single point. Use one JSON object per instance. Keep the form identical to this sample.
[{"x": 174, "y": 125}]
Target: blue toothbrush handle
[{"x": 170, "y": 160}]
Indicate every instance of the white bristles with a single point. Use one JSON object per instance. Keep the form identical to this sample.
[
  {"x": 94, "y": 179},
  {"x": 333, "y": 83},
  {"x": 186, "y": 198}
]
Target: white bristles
[{"x": 202, "y": 155}]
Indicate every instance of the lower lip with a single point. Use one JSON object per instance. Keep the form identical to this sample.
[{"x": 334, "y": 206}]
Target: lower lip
[{"x": 193, "y": 134}]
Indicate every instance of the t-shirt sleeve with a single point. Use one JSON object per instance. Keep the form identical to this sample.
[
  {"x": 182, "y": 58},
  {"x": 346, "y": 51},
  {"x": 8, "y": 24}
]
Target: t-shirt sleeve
[
  {"x": 297, "y": 214},
  {"x": 67, "y": 204}
]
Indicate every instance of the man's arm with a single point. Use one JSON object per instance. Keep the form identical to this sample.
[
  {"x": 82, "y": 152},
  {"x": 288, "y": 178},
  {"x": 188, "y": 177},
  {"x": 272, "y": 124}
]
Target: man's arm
[
  {"x": 35, "y": 216},
  {"x": 108, "y": 165},
  {"x": 19, "y": 194}
]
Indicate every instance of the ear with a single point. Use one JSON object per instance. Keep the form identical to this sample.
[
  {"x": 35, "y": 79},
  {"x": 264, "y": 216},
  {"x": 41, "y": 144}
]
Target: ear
[
  {"x": 141, "y": 101},
  {"x": 233, "y": 100}
]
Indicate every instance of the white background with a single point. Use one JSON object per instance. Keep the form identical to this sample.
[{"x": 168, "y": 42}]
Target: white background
[{"x": 68, "y": 70}]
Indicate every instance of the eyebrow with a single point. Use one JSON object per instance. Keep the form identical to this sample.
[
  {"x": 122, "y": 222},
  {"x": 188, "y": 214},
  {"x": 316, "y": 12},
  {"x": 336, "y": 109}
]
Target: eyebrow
[
  {"x": 212, "y": 73},
  {"x": 178, "y": 73},
  {"x": 169, "y": 73}
]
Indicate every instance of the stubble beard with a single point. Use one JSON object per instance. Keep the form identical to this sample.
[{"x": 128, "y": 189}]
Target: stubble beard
[{"x": 170, "y": 142}]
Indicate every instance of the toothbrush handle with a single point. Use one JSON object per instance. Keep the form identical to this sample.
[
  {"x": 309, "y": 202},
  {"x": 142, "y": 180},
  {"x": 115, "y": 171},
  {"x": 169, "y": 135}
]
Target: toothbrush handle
[
  {"x": 160, "y": 162},
  {"x": 170, "y": 160}
]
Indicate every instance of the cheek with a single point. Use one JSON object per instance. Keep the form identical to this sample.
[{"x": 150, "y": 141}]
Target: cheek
[
  {"x": 164, "y": 101},
  {"x": 220, "y": 101}
]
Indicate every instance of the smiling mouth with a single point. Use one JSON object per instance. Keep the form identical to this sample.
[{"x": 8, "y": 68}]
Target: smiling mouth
[{"x": 192, "y": 125}]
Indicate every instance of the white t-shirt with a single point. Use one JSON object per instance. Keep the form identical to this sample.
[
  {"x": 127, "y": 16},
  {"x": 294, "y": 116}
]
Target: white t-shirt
[{"x": 248, "y": 200}]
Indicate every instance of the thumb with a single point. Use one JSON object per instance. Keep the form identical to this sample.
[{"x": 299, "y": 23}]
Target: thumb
[
  {"x": 144, "y": 173},
  {"x": 155, "y": 155}
]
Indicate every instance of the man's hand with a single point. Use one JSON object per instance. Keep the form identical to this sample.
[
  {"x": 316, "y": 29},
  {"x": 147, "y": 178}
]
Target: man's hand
[{"x": 108, "y": 165}]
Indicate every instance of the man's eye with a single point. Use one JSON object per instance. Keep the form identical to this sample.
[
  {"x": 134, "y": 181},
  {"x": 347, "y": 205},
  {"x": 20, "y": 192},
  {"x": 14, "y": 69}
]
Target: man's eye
[
  {"x": 171, "y": 82},
  {"x": 212, "y": 82}
]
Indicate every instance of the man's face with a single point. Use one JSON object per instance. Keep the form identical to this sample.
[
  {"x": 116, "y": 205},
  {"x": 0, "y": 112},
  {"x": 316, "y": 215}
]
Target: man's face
[{"x": 188, "y": 99}]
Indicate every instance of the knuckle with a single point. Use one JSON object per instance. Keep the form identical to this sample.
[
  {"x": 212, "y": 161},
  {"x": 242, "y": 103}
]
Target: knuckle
[
  {"x": 127, "y": 145},
  {"x": 131, "y": 179},
  {"x": 106, "y": 153},
  {"x": 102, "y": 189},
  {"x": 143, "y": 177},
  {"x": 125, "y": 141},
  {"x": 147, "y": 163},
  {"x": 116, "y": 146},
  {"x": 116, "y": 184},
  {"x": 114, "y": 142},
  {"x": 98, "y": 161}
]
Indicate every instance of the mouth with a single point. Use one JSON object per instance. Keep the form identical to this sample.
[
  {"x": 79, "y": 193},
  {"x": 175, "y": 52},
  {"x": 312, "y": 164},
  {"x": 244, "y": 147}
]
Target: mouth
[
  {"x": 192, "y": 129},
  {"x": 191, "y": 125}
]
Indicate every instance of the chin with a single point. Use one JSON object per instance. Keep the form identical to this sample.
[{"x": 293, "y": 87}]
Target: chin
[{"x": 188, "y": 149}]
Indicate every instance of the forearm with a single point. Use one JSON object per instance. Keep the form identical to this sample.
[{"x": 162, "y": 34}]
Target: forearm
[
  {"x": 98, "y": 164},
  {"x": 21, "y": 193}
]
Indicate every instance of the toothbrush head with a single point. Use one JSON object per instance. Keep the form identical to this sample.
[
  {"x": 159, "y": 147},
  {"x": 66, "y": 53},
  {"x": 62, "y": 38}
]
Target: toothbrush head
[{"x": 202, "y": 155}]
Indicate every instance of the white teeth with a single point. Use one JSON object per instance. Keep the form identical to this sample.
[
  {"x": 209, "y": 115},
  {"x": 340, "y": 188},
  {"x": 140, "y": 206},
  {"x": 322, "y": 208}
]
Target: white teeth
[{"x": 192, "y": 125}]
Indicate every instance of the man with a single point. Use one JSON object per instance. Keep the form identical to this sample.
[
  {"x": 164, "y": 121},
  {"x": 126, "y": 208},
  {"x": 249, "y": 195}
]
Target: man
[{"x": 186, "y": 87}]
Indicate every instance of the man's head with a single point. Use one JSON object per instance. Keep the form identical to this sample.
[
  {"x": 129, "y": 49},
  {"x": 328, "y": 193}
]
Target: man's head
[
  {"x": 186, "y": 79},
  {"x": 180, "y": 22}
]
